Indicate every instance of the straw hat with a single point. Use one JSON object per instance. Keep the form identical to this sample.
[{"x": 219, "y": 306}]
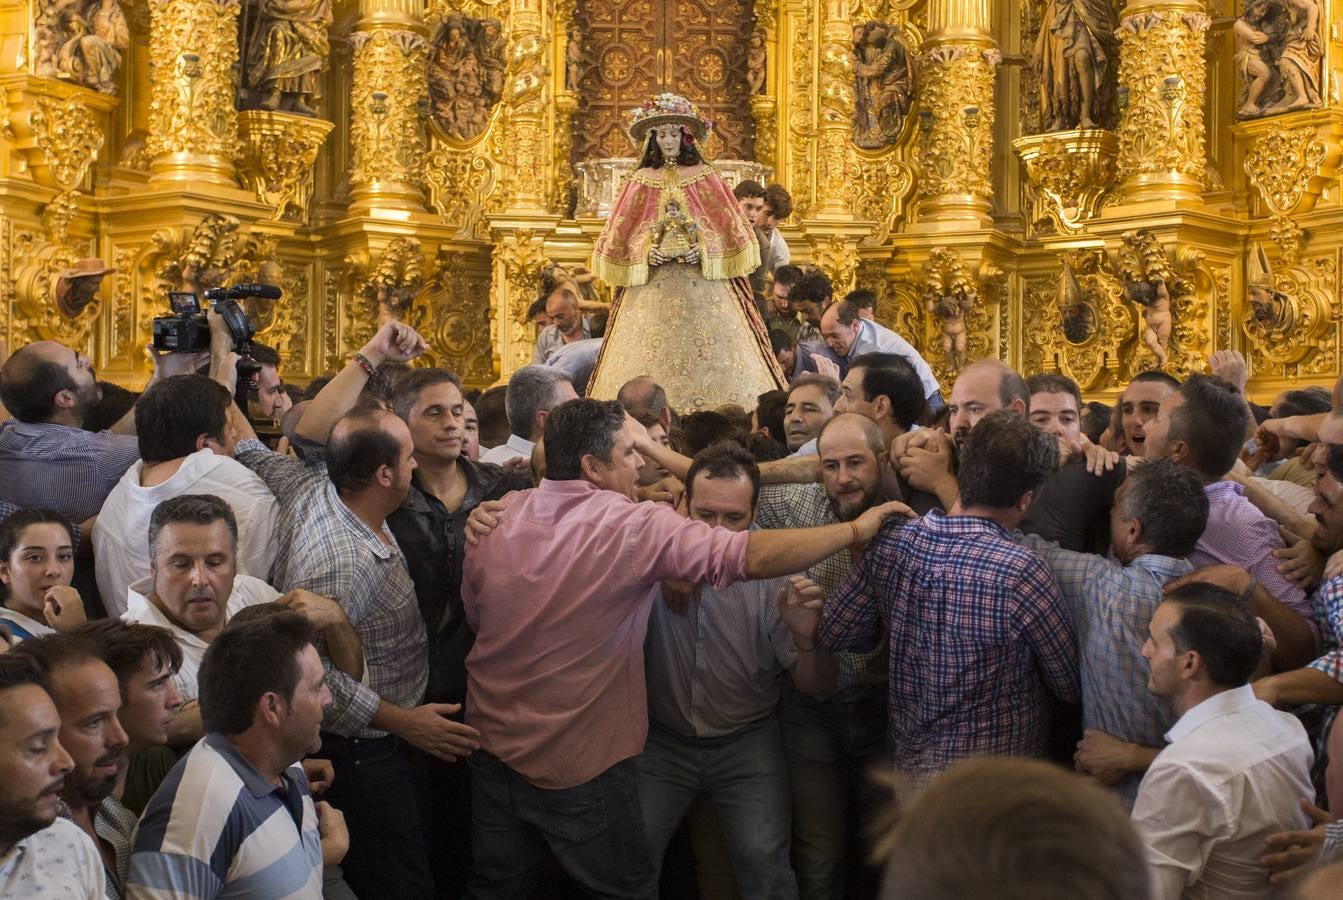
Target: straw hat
[{"x": 667, "y": 109}]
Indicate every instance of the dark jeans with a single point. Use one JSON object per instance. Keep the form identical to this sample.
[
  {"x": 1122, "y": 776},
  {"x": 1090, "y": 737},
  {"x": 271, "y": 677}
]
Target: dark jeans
[
  {"x": 830, "y": 746},
  {"x": 374, "y": 786},
  {"x": 594, "y": 830},
  {"x": 746, "y": 776},
  {"x": 444, "y": 794}
]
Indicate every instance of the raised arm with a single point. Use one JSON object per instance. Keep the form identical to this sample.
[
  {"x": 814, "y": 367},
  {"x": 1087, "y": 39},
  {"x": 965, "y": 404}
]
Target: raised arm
[
  {"x": 772, "y": 553},
  {"x": 394, "y": 342}
]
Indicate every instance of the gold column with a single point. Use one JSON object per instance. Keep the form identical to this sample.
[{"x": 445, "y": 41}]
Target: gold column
[
  {"x": 525, "y": 93},
  {"x": 834, "y": 184},
  {"x": 193, "y": 134},
  {"x": 1162, "y": 83},
  {"x": 954, "y": 148},
  {"x": 387, "y": 133}
]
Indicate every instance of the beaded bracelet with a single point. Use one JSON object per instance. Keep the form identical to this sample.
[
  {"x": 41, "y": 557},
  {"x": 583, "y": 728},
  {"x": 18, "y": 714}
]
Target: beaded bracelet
[{"x": 364, "y": 364}]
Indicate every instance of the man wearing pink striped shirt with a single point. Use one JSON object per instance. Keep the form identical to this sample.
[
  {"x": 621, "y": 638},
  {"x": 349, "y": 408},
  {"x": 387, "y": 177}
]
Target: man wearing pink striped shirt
[{"x": 559, "y": 594}]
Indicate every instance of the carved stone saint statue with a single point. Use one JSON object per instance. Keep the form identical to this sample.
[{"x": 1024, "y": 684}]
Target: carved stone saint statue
[
  {"x": 883, "y": 81},
  {"x": 1299, "y": 63},
  {"x": 81, "y": 41},
  {"x": 573, "y": 58},
  {"x": 466, "y": 74},
  {"x": 1075, "y": 53},
  {"x": 1278, "y": 56},
  {"x": 756, "y": 59},
  {"x": 285, "y": 54},
  {"x": 78, "y": 285}
]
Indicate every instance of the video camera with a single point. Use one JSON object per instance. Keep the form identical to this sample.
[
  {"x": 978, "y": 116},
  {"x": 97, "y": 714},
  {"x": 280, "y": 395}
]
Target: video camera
[{"x": 188, "y": 330}]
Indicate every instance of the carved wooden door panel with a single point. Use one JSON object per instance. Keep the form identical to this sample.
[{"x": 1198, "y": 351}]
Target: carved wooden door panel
[{"x": 633, "y": 49}]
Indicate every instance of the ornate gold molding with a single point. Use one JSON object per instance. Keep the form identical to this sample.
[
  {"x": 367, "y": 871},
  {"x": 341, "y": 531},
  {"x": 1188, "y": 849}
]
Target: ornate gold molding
[
  {"x": 387, "y": 133},
  {"x": 193, "y": 134},
  {"x": 834, "y": 165},
  {"x": 518, "y": 256},
  {"x": 837, "y": 257},
  {"x": 1068, "y": 175},
  {"x": 953, "y": 149},
  {"x": 455, "y": 322},
  {"x": 279, "y": 150},
  {"x": 1078, "y": 323},
  {"x": 1162, "y": 86}
]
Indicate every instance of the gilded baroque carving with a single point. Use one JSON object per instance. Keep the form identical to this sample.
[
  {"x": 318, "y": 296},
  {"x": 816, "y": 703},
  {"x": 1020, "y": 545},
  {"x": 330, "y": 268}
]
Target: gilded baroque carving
[
  {"x": 455, "y": 321},
  {"x": 521, "y": 254},
  {"x": 395, "y": 281},
  {"x": 386, "y": 131},
  {"x": 195, "y": 260},
  {"x": 467, "y": 65},
  {"x": 757, "y": 61},
  {"x": 951, "y": 296},
  {"x": 459, "y": 182},
  {"x": 1068, "y": 176},
  {"x": 69, "y": 136},
  {"x": 285, "y": 55},
  {"x": 953, "y": 151},
  {"x": 1162, "y": 82},
  {"x": 1074, "y": 61},
  {"x": 58, "y": 215},
  {"x": 1174, "y": 328},
  {"x": 882, "y": 187},
  {"x": 282, "y": 323},
  {"x": 883, "y": 84},
  {"x": 80, "y": 41},
  {"x": 838, "y": 259},
  {"x": 802, "y": 118},
  {"x": 279, "y": 150},
  {"x": 1279, "y": 56},
  {"x": 763, "y": 112},
  {"x": 1289, "y": 312},
  {"x": 1282, "y": 165},
  {"x": 193, "y": 49},
  {"x": 123, "y": 301},
  {"x": 1085, "y": 305},
  {"x": 37, "y": 267}
]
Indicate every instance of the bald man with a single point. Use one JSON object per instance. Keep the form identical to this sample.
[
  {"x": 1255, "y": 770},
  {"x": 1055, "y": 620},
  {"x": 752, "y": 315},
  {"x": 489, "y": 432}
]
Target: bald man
[{"x": 847, "y": 335}]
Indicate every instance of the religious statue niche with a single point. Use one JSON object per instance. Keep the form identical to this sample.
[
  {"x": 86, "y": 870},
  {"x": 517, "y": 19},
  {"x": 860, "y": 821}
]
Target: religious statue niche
[
  {"x": 1075, "y": 60},
  {"x": 883, "y": 84},
  {"x": 80, "y": 41},
  {"x": 1150, "y": 281},
  {"x": 285, "y": 49},
  {"x": 951, "y": 295},
  {"x": 466, "y": 74},
  {"x": 1278, "y": 56},
  {"x": 1079, "y": 317}
]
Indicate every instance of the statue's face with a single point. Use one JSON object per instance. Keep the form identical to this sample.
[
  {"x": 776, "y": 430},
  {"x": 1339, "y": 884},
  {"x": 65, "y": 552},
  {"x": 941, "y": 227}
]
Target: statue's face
[{"x": 668, "y": 138}]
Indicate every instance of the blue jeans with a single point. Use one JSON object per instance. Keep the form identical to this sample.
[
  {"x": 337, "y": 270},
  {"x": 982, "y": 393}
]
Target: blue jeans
[
  {"x": 375, "y": 787},
  {"x": 830, "y": 746},
  {"x": 747, "y": 778},
  {"x": 594, "y": 830}
]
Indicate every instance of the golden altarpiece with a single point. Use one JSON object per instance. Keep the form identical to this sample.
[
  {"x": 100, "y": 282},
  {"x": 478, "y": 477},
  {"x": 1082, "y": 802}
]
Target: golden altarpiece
[{"x": 1089, "y": 186}]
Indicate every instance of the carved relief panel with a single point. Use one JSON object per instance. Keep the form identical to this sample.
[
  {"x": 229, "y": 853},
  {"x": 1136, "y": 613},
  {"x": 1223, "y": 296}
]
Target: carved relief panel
[{"x": 634, "y": 49}]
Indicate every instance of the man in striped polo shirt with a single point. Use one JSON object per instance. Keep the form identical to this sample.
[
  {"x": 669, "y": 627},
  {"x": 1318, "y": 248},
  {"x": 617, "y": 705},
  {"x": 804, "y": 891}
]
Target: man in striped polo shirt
[{"x": 235, "y": 817}]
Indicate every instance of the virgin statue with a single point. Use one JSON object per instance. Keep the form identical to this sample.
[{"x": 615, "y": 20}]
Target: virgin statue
[{"x": 678, "y": 251}]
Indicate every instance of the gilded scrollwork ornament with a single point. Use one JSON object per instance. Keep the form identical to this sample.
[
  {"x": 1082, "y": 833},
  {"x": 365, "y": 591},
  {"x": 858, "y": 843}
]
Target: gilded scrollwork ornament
[
  {"x": 951, "y": 297},
  {"x": 68, "y": 135},
  {"x": 1285, "y": 166},
  {"x": 454, "y": 320},
  {"x": 519, "y": 255},
  {"x": 837, "y": 257},
  {"x": 1085, "y": 305},
  {"x": 279, "y": 150},
  {"x": 1289, "y": 311},
  {"x": 954, "y": 147},
  {"x": 1068, "y": 176},
  {"x": 387, "y": 132}
]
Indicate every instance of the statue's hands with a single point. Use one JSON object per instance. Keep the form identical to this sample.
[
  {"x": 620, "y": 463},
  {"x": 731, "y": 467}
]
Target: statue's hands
[
  {"x": 655, "y": 258},
  {"x": 692, "y": 257}
]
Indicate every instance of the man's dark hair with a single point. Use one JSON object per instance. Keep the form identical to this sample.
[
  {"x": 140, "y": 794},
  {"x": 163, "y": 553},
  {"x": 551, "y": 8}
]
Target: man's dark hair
[
  {"x": 55, "y": 651},
  {"x": 779, "y": 340},
  {"x": 862, "y": 298},
  {"x": 408, "y": 387},
  {"x": 267, "y": 356},
  {"x": 28, "y": 386},
  {"x": 769, "y": 408},
  {"x": 814, "y": 287},
  {"x": 531, "y": 389},
  {"x": 538, "y": 307},
  {"x": 257, "y": 612},
  {"x": 1158, "y": 376},
  {"x": 779, "y": 201},
  {"x": 748, "y": 189},
  {"x": 788, "y": 276},
  {"x": 173, "y": 413},
  {"x": 492, "y": 416},
  {"x": 1309, "y": 401},
  {"x": 246, "y": 662},
  {"x": 315, "y": 386},
  {"x": 828, "y": 385},
  {"x": 16, "y": 670},
  {"x": 356, "y": 453},
  {"x": 725, "y": 460},
  {"x": 1218, "y": 625},
  {"x": 192, "y": 509},
  {"x": 1169, "y": 501},
  {"x": 110, "y": 409},
  {"x": 1001, "y": 462},
  {"x": 1212, "y": 421},
  {"x": 1053, "y": 383},
  {"x": 1095, "y": 419},
  {"x": 705, "y": 428},
  {"x": 13, "y": 526},
  {"x": 892, "y": 376},
  {"x": 846, "y": 312},
  {"x": 125, "y": 646},
  {"x": 579, "y": 428}
]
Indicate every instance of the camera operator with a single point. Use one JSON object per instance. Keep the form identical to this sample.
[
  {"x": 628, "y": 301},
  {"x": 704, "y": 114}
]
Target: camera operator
[{"x": 272, "y": 402}]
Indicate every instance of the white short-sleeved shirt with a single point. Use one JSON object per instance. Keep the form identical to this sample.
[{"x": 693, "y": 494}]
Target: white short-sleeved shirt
[{"x": 57, "y": 862}]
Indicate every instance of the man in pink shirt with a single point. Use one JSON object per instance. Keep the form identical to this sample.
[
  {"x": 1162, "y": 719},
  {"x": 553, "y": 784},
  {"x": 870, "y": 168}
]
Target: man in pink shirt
[{"x": 559, "y": 595}]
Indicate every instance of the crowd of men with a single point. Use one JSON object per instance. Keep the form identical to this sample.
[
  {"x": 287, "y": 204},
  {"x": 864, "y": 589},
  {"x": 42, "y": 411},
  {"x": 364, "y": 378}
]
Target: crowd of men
[{"x": 527, "y": 643}]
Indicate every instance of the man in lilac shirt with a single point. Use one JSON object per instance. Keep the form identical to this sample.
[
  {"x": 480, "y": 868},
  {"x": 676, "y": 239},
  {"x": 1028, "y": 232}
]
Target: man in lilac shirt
[
  {"x": 559, "y": 594},
  {"x": 1202, "y": 426}
]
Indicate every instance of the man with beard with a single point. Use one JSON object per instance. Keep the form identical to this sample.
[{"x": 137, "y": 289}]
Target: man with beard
[
  {"x": 88, "y": 697},
  {"x": 567, "y": 324},
  {"x": 46, "y": 459},
  {"x": 40, "y": 855},
  {"x": 235, "y": 816}
]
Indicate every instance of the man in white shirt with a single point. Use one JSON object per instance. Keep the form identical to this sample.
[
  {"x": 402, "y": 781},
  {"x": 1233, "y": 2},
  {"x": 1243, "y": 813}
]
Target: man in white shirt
[
  {"x": 195, "y": 590},
  {"x": 848, "y": 335},
  {"x": 778, "y": 206},
  {"x": 533, "y": 392},
  {"x": 1234, "y": 770},
  {"x": 185, "y": 448},
  {"x": 41, "y": 856}
]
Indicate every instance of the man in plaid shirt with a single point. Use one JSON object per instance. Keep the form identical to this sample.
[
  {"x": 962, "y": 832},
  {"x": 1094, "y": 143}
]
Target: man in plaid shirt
[{"x": 979, "y": 635}]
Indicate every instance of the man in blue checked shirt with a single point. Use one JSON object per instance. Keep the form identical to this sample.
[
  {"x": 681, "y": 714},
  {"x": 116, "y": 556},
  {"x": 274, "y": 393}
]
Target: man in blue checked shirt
[{"x": 979, "y": 634}]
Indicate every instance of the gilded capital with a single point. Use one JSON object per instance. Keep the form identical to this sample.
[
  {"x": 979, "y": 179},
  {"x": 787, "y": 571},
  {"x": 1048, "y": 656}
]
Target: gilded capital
[{"x": 193, "y": 134}]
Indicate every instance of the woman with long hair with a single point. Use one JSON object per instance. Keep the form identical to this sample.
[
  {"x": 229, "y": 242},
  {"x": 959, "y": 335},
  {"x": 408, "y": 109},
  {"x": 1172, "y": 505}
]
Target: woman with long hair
[
  {"x": 679, "y": 251},
  {"x": 37, "y": 562}
]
